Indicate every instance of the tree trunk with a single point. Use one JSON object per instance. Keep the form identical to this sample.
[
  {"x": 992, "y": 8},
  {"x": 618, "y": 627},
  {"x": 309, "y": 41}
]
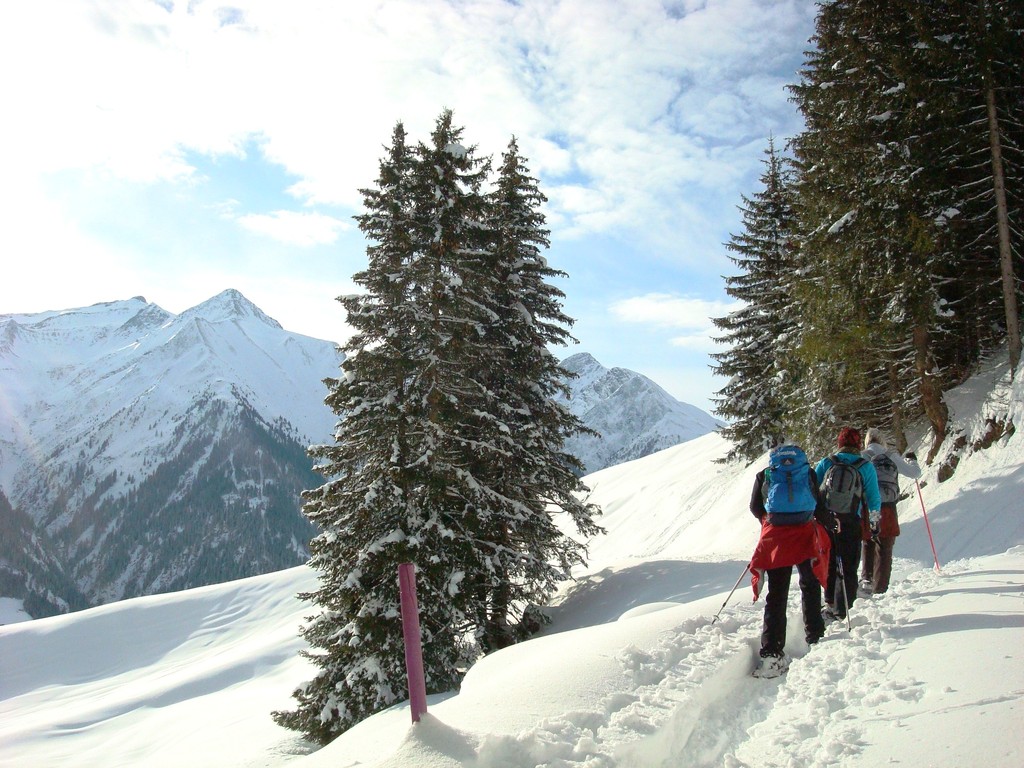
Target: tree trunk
[
  {"x": 1003, "y": 223},
  {"x": 931, "y": 390},
  {"x": 1002, "y": 217},
  {"x": 899, "y": 435}
]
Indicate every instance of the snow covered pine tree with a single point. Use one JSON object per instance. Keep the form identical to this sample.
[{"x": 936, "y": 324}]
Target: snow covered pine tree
[{"x": 447, "y": 453}]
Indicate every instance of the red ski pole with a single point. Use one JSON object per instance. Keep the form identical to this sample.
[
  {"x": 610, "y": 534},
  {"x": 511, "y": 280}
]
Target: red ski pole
[{"x": 928, "y": 527}]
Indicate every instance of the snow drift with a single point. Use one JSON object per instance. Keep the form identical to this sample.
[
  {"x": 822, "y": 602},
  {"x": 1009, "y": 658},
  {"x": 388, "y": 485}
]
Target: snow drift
[{"x": 631, "y": 672}]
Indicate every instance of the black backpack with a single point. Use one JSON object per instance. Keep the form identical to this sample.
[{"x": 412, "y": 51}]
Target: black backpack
[
  {"x": 842, "y": 487},
  {"x": 888, "y": 478}
]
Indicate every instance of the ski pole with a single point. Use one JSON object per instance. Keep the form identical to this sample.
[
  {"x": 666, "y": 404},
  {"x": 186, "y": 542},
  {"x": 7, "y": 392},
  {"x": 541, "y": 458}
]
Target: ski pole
[
  {"x": 842, "y": 583},
  {"x": 734, "y": 586},
  {"x": 928, "y": 527}
]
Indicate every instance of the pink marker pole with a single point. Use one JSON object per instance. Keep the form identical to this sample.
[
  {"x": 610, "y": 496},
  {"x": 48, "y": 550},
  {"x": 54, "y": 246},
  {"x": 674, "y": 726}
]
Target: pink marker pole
[
  {"x": 411, "y": 634},
  {"x": 928, "y": 527}
]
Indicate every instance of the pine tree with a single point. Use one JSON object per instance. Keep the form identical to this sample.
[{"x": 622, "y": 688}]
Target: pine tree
[
  {"x": 974, "y": 50},
  {"x": 907, "y": 204},
  {"x": 462, "y": 421},
  {"x": 761, "y": 331},
  {"x": 372, "y": 511},
  {"x": 871, "y": 284},
  {"x": 526, "y": 552},
  {"x": 446, "y": 452}
]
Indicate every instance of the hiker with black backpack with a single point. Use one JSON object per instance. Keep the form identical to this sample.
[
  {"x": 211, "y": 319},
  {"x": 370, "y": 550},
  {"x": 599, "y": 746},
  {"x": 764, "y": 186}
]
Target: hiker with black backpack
[
  {"x": 879, "y": 539},
  {"x": 785, "y": 500},
  {"x": 848, "y": 486}
]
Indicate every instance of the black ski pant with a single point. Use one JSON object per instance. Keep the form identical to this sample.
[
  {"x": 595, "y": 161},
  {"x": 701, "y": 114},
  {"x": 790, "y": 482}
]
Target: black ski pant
[
  {"x": 845, "y": 547},
  {"x": 878, "y": 563},
  {"x": 773, "y": 631}
]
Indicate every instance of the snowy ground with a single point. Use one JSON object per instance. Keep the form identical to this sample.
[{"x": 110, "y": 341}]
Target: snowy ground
[{"x": 631, "y": 673}]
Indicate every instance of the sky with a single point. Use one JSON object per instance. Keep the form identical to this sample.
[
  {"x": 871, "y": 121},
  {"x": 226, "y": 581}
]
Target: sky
[
  {"x": 632, "y": 672},
  {"x": 172, "y": 149}
]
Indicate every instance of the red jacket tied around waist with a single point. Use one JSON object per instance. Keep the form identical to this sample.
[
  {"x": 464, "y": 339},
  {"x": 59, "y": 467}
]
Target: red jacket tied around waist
[{"x": 782, "y": 546}]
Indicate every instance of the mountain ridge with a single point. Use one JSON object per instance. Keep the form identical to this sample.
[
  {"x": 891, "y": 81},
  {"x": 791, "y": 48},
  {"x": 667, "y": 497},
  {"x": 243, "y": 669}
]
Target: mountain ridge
[
  {"x": 635, "y": 416},
  {"x": 143, "y": 451},
  {"x": 140, "y": 442}
]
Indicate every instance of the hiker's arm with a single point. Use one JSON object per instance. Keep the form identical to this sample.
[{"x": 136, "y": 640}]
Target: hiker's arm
[
  {"x": 757, "y": 499},
  {"x": 812, "y": 481},
  {"x": 872, "y": 496},
  {"x": 906, "y": 466}
]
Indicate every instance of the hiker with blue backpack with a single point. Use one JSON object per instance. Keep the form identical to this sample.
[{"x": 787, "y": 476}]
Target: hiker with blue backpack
[
  {"x": 785, "y": 500},
  {"x": 876, "y": 562},
  {"x": 848, "y": 486}
]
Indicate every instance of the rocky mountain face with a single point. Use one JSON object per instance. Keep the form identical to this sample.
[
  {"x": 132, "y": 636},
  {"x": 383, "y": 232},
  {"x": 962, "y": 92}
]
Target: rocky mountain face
[
  {"x": 145, "y": 452},
  {"x": 634, "y": 416}
]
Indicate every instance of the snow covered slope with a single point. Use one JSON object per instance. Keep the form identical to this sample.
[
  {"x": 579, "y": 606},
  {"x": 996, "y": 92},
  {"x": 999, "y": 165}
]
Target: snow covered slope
[
  {"x": 630, "y": 674},
  {"x": 634, "y": 416}
]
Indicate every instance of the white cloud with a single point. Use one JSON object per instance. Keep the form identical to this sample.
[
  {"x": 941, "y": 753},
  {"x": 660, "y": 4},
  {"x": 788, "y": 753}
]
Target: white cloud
[
  {"x": 698, "y": 342},
  {"x": 644, "y": 121},
  {"x": 691, "y": 315},
  {"x": 295, "y": 228},
  {"x": 631, "y": 95},
  {"x": 668, "y": 311}
]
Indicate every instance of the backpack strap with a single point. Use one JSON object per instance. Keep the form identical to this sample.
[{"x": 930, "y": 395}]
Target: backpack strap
[
  {"x": 860, "y": 462},
  {"x": 857, "y": 464}
]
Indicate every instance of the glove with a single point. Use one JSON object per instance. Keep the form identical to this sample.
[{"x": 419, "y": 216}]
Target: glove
[
  {"x": 910, "y": 455},
  {"x": 874, "y": 520}
]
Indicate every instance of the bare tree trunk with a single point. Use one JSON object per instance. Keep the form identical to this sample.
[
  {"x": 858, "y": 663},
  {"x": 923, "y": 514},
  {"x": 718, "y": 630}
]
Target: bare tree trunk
[
  {"x": 931, "y": 390},
  {"x": 497, "y": 632},
  {"x": 899, "y": 435},
  {"x": 1002, "y": 217}
]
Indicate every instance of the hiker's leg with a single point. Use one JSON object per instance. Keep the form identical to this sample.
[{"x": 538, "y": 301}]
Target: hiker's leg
[
  {"x": 867, "y": 568},
  {"x": 810, "y": 602},
  {"x": 851, "y": 566},
  {"x": 883, "y": 568},
  {"x": 833, "y": 572},
  {"x": 773, "y": 631}
]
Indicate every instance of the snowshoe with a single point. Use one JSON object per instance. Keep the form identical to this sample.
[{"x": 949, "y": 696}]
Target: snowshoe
[
  {"x": 771, "y": 666},
  {"x": 829, "y": 616},
  {"x": 864, "y": 589}
]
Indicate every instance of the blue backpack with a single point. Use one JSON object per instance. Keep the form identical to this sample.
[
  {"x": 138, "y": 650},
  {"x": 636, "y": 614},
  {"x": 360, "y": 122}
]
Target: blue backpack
[{"x": 788, "y": 481}]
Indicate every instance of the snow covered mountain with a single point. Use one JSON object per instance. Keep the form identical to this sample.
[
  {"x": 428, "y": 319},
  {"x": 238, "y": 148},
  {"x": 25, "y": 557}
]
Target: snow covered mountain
[
  {"x": 634, "y": 416},
  {"x": 143, "y": 452}
]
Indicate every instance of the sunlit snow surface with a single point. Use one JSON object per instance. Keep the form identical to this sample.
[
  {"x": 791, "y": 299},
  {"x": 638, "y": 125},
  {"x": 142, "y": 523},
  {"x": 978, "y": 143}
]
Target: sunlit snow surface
[{"x": 932, "y": 673}]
